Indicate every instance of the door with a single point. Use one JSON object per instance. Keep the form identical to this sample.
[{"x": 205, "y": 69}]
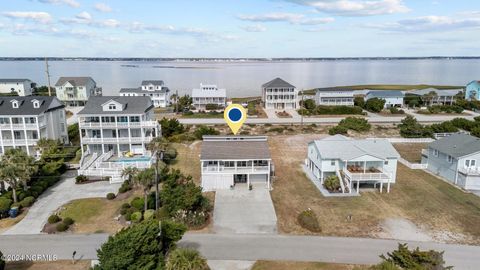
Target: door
[{"x": 240, "y": 178}]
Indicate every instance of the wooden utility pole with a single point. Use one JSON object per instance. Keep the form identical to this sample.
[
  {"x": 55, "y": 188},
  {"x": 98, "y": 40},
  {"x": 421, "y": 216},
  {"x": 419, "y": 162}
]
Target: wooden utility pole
[
  {"x": 301, "y": 115},
  {"x": 48, "y": 77}
]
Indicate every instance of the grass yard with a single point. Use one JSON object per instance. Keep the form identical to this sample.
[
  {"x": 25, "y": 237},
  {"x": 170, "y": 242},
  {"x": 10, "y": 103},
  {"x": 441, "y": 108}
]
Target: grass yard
[
  {"x": 403, "y": 87},
  {"x": 58, "y": 265},
  {"x": 202, "y": 115},
  {"x": 286, "y": 265},
  {"x": 419, "y": 197},
  {"x": 7, "y": 223},
  {"x": 95, "y": 215},
  {"x": 411, "y": 151},
  {"x": 188, "y": 159}
]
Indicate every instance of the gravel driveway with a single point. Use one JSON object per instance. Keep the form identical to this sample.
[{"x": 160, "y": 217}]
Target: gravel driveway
[{"x": 54, "y": 197}]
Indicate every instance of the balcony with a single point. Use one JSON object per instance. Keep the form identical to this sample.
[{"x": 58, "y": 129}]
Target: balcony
[
  {"x": 473, "y": 171},
  {"x": 21, "y": 126},
  {"x": 367, "y": 176},
  {"x": 116, "y": 140},
  {"x": 221, "y": 169},
  {"x": 145, "y": 124},
  {"x": 12, "y": 142}
]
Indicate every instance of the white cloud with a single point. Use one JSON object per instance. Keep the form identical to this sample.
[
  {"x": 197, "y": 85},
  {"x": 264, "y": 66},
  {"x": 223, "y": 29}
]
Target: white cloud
[
  {"x": 71, "y": 3},
  {"x": 355, "y": 7},
  {"x": 84, "y": 16},
  {"x": 254, "y": 28},
  {"x": 292, "y": 18},
  {"x": 87, "y": 19},
  {"x": 110, "y": 23},
  {"x": 40, "y": 17},
  {"x": 102, "y": 7},
  {"x": 428, "y": 24}
]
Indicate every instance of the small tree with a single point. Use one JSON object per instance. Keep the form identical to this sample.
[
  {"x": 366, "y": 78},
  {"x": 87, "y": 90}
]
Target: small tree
[
  {"x": 145, "y": 179},
  {"x": 171, "y": 127},
  {"x": 359, "y": 101},
  {"x": 309, "y": 104},
  {"x": 186, "y": 259},
  {"x": 16, "y": 167},
  {"x": 141, "y": 246},
  {"x": 129, "y": 173},
  {"x": 416, "y": 259},
  {"x": 332, "y": 183},
  {"x": 204, "y": 130},
  {"x": 375, "y": 104}
]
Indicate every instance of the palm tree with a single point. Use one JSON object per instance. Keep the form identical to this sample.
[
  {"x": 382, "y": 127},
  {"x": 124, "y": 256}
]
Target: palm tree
[
  {"x": 145, "y": 179},
  {"x": 430, "y": 96},
  {"x": 186, "y": 259},
  {"x": 158, "y": 146},
  {"x": 129, "y": 173},
  {"x": 16, "y": 167}
]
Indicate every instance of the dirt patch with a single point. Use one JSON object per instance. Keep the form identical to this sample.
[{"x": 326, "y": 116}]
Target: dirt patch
[
  {"x": 402, "y": 229},
  {"x": 411, "y": 152}
]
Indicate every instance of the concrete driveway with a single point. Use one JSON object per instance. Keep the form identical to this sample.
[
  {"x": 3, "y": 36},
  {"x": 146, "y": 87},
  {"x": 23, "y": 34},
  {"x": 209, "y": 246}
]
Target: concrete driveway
[
  {"x": 54, "y": 197},
  {"x": 244, "y": 211}
]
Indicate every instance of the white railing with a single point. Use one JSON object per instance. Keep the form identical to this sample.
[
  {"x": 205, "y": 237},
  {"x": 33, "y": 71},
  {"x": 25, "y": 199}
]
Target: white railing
[
  {"x": 84, "y": 155},
  {"x": 11, "y": 142},
  {"x": 340, "y": 178},
  {"x": 122, "y": 165},
  {"x": 443, "y": 135},
  {"x": 410, "y": 140},
  {"x": 89, "y": 162},
  {"x": 208, "y": 169},
  {"x": 470, "y": 171},
  {"x": 122, "y": 140},
  {"x": 366, "y": 176},
  {"x": 147, "y": 124}
]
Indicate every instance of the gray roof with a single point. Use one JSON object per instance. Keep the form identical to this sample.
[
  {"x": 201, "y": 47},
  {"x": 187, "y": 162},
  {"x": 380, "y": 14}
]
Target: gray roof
[
  {"x": 343, "y": 148},
  {"x": 75, "y": 81},
  {"x": 154, "y": 82},
  {"x": 277, "y": 82},
  {"x": 26, "y": 105},
  {"x": 443, "y": 92},
  {"x": 333, "y": 89},
  {"x": 132, "y": 105},
  {"x": 13, "y": 80},
  {"x": 234, "y": 147},
  {"x": 139, "y": 90},
  {"x": 457, "y": 145},
  {"x": 209, "y": 93},
  {"x": 385, "y": 94}
]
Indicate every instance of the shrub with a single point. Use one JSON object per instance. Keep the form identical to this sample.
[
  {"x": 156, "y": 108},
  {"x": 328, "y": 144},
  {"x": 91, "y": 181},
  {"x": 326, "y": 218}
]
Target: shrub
[
  {"x": 149, "y": 214},
  {"x": 193, "y": 219},
  {"x": 395, "y": 110},
  {"x": 204, "y": 130},
  {"x": 410, "y": 128},
  {"x": 27, "y": 202},
  {"x": 405, "y": 258},
  {"x": 138, "y": 203},
  {"x": 308, "y": 220},
  {"x": 338, "y": 130},
  {"x": 68, "y": 221},
  {"x": 375, "y": 104},
  {"x": 212, "y": 107},
  {"x": 81, "y": 179},
  {"x": 2, "y": 261},
  {"x": 309, "y": 104},
  {"x": 477, "y": 118},
  {"x": 171, "y": 126},
  {"x": 359, "y": 101},
  {"x": 16, "y": 205},
  {"x": 53, "y": 219},
  {"x": 183, "y": 258},
  {"x": 445, "y": 127},
  {"x": 332, "y": 183},
  {"x": 4, "y": 205},
  {"x": 61, "y": 227},
  {"x": 136, "y": 216},
  {"x": 110, "y": 196},
  {"x": 125, "y": 206},
  {"x": 355, "y": 123}
]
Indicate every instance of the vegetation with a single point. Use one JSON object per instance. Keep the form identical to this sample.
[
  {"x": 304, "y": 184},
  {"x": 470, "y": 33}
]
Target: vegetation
[
  {"x": 389, "y": 87},
  {"x": 211, "y": 107},
  {"x": 436, "y": 109},
  {"x": 110, "y": 196},
  {"x": 330, "y": 110},
  {"x": 375, "y": 105},
  {"x": 186, "y": 259},
  {"x": 308, "y": 220},
  {"x": 350, "y": 123},
  {"x": 184, "y": 103},
  {"x": 2, "y": 261},
  {"x": 74, "y": 134},
  {"x": 410, "y": 128},
  {"x": 204, "y": 130},
  {"x": 404, "y": 258},
  {"x": 16, "y": 169},
  {"x": 338, "y": 130},
  {"x": 53, "y": 219},
  {"x": 395, "y": 110},
  {"x": 61, "y": 227},
  {"x": 141, "y": 246},
  {"x": 145, "y": 179},
  {"x": 332, "y": 183},
  {"x": 171, "y": 127},
  {"x": 79, "y": 179}
]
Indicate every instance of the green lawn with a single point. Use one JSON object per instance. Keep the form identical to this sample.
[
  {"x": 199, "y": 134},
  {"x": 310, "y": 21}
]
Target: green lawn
[
  {"x": 203, "y": 115},
  {"x": 402, "y": 87}
]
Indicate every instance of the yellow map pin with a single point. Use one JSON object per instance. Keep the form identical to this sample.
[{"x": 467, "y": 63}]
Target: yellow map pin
[{"x": 235, "y": 115}]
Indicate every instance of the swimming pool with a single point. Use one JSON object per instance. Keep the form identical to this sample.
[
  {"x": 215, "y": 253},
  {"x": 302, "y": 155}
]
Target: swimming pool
[{"x": 133, "y": 159}]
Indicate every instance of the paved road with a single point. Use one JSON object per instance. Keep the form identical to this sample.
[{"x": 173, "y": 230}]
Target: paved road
[
  {"x": 56, "y": 196},
  {"x": 248, "y": 247}
]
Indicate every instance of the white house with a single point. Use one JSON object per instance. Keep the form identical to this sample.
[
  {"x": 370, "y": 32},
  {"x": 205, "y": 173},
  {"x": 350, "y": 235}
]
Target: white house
[
  {"x": 114, "y": 133},
  {"x": 334, "y": 97},
  {"x": 156, "y": 90},
  {"x": 432, "y": 96},
  {"x": 455, "y": 158},
  {"x": 23, "y": 87},
  {"x": 235, "y": 161},
  {"x": 25, "y": 120},
  {"x": 208, "y": 94},
  {"x": 279, "y": 95},
  {"x": 354, "y": 162},
  {"x": 75, "y": 91},
  {"x": 392, "y": 98}
]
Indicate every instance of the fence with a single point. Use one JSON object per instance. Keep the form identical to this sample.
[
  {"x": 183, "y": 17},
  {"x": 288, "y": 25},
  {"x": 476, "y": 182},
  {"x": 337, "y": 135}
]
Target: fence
[{"x": 413, "y": 166}]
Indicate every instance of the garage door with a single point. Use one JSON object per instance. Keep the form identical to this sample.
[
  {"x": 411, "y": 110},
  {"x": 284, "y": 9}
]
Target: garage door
[
  {"x": 258, "y": 178},
  {"x": 216, "y": 181}
]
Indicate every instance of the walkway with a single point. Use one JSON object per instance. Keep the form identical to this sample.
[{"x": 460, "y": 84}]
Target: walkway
[
  {"x": 54, "y": 197},
  {"x": 244, "y": 211},
  {"x": 248, "y": 247}
]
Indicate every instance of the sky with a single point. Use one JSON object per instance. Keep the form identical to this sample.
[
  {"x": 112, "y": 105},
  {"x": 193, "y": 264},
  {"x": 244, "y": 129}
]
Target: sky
[{"x": 239, "y": 28}]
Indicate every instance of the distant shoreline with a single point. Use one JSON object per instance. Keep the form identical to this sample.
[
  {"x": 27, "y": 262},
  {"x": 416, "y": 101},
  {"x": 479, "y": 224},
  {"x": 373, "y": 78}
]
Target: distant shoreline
[{"x": 287, "y": 59}]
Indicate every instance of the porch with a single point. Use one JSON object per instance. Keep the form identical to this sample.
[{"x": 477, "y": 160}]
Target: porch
[{"x": 365, "y": 172}]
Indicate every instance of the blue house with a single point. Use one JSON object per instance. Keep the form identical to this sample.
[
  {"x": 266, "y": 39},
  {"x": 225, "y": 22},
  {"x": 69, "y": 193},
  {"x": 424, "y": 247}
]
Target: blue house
[{"x": 473, "y": 91}]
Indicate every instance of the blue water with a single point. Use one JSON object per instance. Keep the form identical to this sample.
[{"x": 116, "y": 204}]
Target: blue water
[{"x": 136, "y": 159}]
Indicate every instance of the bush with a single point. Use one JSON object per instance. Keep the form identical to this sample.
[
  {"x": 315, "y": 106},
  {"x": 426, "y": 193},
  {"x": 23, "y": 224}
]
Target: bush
[
  {"x": 110, "y": 196},
  {"x": 212, "y": 107},
  {"x": 125, "y": 206},
  {"x": 128, "y": 213},
  {"x": 308, "y": 220},
  {"x": 338, "y": 130},
  {"x": 395, "y": 110},
  {"x": 171, "y": 126},
  {"x": 81, "y": 179},
  {"x": 136, "y": 216},
  {"x": 183, "y": 258},
  {"x": 477, "y": 118},
  {"x": 375, "y": 104},
  {"x": 332, "y": 183},
  {"x": 309, "y": 104},
  {"x": 149, "y": 214},
  {"x": 126, "y": 186},
  {"x": 445, "y": 127},
  {"x": 68, "y": 221},
  {"x": 355, "y": 123},
  {"x": 204, "y": 130},
  {"x": 138, "y": 203},
  {"x": 53, "y": 219},
  {"x": 27, "y": 202},
  {"x": 2, "y": 261},
  {"x": 359, "y": 101},
  {"x": 4, "y": 205},
  {"x": 410, "y": 128},
  {"x": 61, "y": 227}
]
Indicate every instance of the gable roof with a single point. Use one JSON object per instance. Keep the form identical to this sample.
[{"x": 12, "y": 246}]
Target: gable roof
[
  {"x": 443, "y": 92},
  {"x": 154, "y": 82},
  {"x": 219, "y": 92},
  {"x": 140, "y": 90},
  {"x": 344, "y": 148},
  {"x": 131, "y": 105},
  {"x": 234, "y": 147},
  {"x": 13, "y": 80},
  {"x": 75, "y": 81},
  {"x": 26, "y": 105},
  {"x": 277, "y": 82},
  {"x": 457, "y": 145},
  {"x": 333, "y": 89},
  {"x": 385, "y": 94}
]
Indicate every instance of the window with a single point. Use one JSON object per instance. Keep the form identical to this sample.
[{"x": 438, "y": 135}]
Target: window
[
  {"x": 36, "y": 104},
  {"x": 112, "y": 107},
  {"x": 449, "y": 159},
  {"x": 470, "y": 163},
  {"x": 332, "y": 163},
  {"x": 241, "y": 164},
  {"x": 386, "y": 162},
  {"x": 15, "y": 104},
  {"x": 134, "y": 119},
  {"x": 229, "y": 164},
  {"x": 435, "y": 152}
]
